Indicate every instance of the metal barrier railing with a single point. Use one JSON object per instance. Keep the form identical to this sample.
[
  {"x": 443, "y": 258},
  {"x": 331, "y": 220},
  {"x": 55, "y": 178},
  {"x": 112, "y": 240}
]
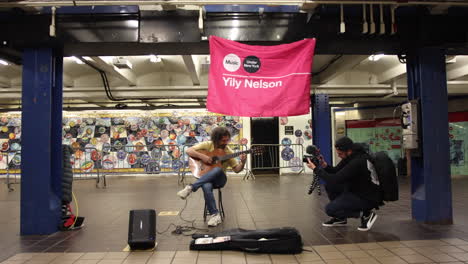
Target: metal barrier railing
[
  {"x": 279, "y": 156},
  {"x": 96, "y": 163},
  {"x": 185, "y": 162},
  {"x": 141, "y": 159},
  {"x": 87, "y": 164},
  {"x": 12, "y": 161}
]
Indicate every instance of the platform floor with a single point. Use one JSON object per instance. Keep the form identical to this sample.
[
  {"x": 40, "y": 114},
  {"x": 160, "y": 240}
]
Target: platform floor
[{"x": 267, "y": 202}]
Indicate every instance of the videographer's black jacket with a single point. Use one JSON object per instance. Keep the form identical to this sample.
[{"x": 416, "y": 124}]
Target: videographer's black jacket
[{"x": 353, "y": 173}]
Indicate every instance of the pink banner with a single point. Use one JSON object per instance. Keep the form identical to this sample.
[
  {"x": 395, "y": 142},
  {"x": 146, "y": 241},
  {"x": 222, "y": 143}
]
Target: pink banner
[{"x": 256, "y": 81}]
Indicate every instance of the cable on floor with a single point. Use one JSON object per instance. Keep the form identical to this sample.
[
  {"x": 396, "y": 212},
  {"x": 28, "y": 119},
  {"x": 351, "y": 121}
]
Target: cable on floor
[{"x": 186, "y": 230}]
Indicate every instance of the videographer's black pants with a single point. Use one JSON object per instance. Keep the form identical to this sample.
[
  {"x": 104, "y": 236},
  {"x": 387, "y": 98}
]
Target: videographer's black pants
[
  {"x": 348, "y": 205},
  {"x": 334, "y": 190}
]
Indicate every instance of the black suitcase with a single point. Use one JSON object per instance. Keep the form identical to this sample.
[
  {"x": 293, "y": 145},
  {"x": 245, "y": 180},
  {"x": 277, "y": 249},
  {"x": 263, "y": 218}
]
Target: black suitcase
[
  {"x": 142, "y": 229},
  {"x": 286, "y": 240}
]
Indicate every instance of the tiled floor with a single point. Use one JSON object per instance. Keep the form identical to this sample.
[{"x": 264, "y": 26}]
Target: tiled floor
[
  {"x": 266, "y": 202},
  {"x": 413, "y": 251}
]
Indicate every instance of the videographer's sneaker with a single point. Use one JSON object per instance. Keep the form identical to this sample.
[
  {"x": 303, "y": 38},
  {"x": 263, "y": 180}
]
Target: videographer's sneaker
[
  {"x": 335, "y": 222},
  {"x": 215, "y": 220},
  {"x": 185, "y": 192},
  {"x": 367, "y": 221}
]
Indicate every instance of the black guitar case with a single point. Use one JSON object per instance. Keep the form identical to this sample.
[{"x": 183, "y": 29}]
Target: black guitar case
[{"x": 285, "y": 240}]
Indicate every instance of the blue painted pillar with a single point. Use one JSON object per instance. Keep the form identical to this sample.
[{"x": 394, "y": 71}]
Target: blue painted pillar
[
  {"x": 431, "y": 190},
  {"x": 321, "y": 125},
  {"x": 41, "y": 156}
]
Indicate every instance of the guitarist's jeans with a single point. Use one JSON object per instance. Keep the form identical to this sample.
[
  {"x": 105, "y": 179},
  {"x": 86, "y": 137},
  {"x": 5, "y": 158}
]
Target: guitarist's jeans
[{"x": 215, "y": 178}]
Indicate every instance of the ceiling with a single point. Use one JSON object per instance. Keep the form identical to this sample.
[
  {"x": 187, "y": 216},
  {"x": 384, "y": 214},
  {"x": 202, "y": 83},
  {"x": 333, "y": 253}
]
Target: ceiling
[{"x": 181, "y": 80}]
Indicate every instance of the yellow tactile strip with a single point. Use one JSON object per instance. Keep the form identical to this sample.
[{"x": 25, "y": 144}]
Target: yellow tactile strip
[{"x": 451, "y": 250}]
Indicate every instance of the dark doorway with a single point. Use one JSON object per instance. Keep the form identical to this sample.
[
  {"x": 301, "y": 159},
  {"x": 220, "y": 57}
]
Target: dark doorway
[{"x": 265, "y": 130}]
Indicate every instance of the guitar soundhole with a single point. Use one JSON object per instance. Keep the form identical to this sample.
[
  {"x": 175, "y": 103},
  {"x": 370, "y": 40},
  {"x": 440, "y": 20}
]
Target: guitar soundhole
[{"x": 215, "y": 160}]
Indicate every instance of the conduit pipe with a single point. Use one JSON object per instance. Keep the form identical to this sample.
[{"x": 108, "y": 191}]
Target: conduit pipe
[
  {"x": 395, "y": 91},
  {"x": 371, "y": 24},
  {"x": 382, "y": 23},
  {"x": 342, "y": 24},
  {"x": 392, "y": 15},
  {"x": 52, "y": 23},
  {"x": 364, "y": 20}
]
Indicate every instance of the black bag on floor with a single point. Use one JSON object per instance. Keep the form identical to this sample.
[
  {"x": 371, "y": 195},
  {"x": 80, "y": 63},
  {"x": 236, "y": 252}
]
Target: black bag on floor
[
  {"x": 142, "y": 229},
  {"x": 286, "y": 240}
]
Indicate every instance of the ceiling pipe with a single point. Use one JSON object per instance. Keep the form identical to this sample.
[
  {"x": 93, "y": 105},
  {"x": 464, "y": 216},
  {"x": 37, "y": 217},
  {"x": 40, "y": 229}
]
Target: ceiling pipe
[
  {"x": 192, "y": 88},
  {"x": 382, "y": 23},
  {"x": 200, "y": 20},
  {"x": 371, "y": 24},
  {"x": 52, "y": 24},
  {"x": 342, "y": 23},
  {"x": 394, "y": 89},
  {"x": 57, "y": 3},
  {"x": 392, "y": 15}
]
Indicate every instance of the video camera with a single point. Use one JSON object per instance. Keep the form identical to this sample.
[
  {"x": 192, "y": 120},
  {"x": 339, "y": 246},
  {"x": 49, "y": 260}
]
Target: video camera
[{"x": 313, "y": 153}]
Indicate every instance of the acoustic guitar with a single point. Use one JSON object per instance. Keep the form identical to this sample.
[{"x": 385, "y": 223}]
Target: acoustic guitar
[{"x": 199, "y": 168}]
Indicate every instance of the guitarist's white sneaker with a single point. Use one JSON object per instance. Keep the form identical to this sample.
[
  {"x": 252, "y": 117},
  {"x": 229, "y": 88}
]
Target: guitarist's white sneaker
[
  {"x": 185, "y": 192},
  {"x": 215, "y": 220}
]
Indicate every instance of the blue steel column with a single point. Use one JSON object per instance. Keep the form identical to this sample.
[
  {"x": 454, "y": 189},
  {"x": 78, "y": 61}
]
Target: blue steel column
[
  {"x": 321, "y": 125},
  {"x": 41, "y": 165},
  {"x": 56, "y": 132},
  {"x": 430, "y": 172}
]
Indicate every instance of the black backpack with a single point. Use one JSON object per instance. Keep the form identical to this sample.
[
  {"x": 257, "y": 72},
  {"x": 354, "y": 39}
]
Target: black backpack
[{"x": 387, "y": 176}]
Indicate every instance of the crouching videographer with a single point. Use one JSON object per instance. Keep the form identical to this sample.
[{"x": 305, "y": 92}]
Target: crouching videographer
[{"x": 351, "y": 189}]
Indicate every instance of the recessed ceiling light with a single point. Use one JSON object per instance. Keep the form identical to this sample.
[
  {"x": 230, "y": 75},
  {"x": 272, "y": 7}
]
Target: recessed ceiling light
[{"x": 154, "y": 58}]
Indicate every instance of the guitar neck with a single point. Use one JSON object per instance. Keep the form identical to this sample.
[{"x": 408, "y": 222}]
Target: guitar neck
[{"x": 230, "y": 156}]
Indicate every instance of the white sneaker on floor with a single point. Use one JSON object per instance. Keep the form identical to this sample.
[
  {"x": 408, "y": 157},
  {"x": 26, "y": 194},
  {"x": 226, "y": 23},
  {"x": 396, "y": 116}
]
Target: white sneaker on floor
[
  {"x": 185, "y": 192},
  {"x": 215, "y": 220}
]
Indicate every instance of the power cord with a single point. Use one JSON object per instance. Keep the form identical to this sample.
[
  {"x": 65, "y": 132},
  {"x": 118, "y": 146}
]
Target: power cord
[
  {"x": 76, "y": 207},
  {"x": 186, "y": 230}
]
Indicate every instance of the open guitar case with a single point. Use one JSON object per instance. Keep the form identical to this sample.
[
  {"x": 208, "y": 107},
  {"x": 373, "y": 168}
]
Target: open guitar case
[{"x": 285, "y": 240}]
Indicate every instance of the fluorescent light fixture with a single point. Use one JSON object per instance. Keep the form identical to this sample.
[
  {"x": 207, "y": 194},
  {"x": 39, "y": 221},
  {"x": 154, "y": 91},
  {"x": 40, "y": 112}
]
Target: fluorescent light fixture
[
  {"x": 107, "y": 59},
  {"x": 132, "y": 23},
  {"x": 376, "y": 57},
  {"x": 340, "y": 113},
  {"x": 154, "y": 58},
  {"x": 3, "y": 62},
  {"x": 122, "y": 63},
  {"x": 234, "y": 33},
  {"x": 77, "y": 60},
  {"x": 235, "y": 23}
]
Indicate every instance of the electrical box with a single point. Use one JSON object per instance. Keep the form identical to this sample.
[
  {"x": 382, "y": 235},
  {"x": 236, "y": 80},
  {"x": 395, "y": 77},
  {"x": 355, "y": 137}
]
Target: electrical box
[{"x": 409, "y": 124}]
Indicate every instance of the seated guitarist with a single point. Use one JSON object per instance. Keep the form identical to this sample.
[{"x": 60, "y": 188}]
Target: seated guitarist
[{"x": 216, "y": 177}]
